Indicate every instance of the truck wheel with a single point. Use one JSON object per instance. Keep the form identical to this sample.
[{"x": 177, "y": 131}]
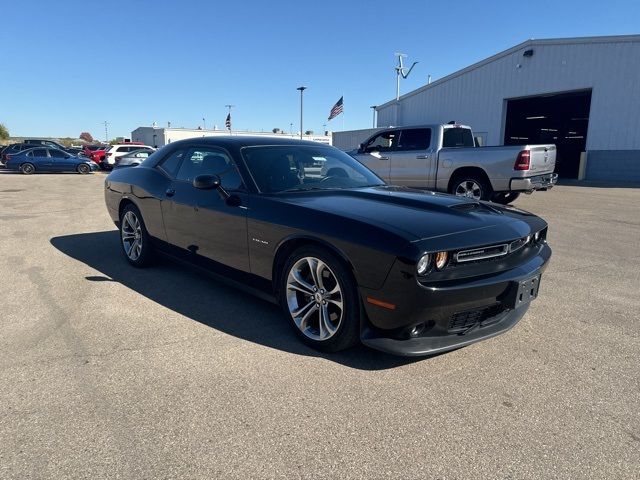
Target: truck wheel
[
  {"x": 504, "y": 198},
  {"x": 471, "y": 187}
]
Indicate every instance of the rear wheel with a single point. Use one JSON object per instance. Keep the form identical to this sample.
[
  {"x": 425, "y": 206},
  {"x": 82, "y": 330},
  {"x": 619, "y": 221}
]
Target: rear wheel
[
  {"x": 27, "y": 168},
  {"x": 83, "y": 169},
  {"x": 134, "y": 238},
  {"x": 505, "y": 198},
  {"x": 320, "y": 298},
  {"x": 471, "y": 186}
]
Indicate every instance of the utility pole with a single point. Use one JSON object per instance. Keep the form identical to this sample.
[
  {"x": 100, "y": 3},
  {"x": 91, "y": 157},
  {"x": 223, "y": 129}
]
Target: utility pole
[
  {"x": 400, "y": 72},
  {"x": 302, "y": 89},
  {"x": 106, "y": 132},
  {"x": 229, "y": 107},
  {"x": 373, "y": 107}
]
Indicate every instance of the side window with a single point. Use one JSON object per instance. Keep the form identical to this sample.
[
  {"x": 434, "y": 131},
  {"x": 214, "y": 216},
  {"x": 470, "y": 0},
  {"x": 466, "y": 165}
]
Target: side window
[
  {"x": 57, "y": 153},
  {"x": 208, "y": 161},
  {"x": 414, "y": 139},
  {"x": 457, "y": 137},
  {"x": 171, "y": 163},
  {"x": 40, "y": 152},
  {"x": 382, "y": 142}
]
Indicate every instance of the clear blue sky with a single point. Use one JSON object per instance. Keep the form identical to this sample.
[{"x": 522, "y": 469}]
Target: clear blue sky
[{"x": 67, "y": 66}]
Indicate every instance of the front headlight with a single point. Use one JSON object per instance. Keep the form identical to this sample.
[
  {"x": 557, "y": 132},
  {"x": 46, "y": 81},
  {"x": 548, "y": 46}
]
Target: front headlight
[
  {"x": 423, "y": 264},
  {"x": 441, "y": 260},
  {"x": 426, "y": 263}
]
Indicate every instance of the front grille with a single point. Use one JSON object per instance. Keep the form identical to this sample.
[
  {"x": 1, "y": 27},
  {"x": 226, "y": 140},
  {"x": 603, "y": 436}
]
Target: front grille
[
  {"x": 482, "y": 253},
  {"x": 463, "y": 321}
]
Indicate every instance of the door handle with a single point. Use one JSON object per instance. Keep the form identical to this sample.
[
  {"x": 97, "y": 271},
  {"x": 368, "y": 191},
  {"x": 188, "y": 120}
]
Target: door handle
[
  {"x": 383, "y": 158},
  {"x": 422, "y": 157},
  {"x": 170, "y": 192}
]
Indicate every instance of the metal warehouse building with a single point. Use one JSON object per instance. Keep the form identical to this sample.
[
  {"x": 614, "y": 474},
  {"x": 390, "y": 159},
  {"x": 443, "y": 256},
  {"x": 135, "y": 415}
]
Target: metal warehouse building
[{"x": 583, "y": 94}]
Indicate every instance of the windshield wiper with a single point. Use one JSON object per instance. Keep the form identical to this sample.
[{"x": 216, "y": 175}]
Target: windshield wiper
[{"x": 302, "y": 189}]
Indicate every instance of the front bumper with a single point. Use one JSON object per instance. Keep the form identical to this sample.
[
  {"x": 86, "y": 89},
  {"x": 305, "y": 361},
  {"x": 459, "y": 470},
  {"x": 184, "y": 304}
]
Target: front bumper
[
  {"x": 537, "y": 182},
  {"x": 436, "y": 309}
]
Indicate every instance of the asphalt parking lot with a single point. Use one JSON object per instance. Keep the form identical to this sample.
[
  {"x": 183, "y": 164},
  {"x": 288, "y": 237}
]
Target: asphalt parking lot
[{"x": 111, "y": 372}]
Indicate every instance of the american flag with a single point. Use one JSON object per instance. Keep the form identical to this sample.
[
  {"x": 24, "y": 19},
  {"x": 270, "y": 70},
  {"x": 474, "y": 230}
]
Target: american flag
[
  {"x": 227, "y": 122},
  {"x": 336, "y": 110}
]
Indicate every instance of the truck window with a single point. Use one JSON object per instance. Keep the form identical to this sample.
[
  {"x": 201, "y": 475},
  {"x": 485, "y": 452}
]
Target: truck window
[
  {"x": 414, "y": 139},
  {"x": 383, "y": 142},
  {"x": 457, "y": 137}
]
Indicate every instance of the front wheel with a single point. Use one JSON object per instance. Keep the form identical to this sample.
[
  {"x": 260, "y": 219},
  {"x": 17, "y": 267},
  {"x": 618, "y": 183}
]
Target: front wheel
[
  {"x": 320, "y": 298},
  {"x": 134, "y": 238},
  {"x": 504, "y": 198},
  {"x": 27, "y": 168}
]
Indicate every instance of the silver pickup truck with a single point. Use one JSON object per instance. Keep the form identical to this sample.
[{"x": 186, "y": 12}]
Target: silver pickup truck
[{"x": 445, "y": 158}]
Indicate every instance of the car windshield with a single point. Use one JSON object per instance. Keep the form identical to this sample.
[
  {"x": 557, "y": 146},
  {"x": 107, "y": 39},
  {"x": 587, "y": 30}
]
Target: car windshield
[{"x": 290, "y": 168}]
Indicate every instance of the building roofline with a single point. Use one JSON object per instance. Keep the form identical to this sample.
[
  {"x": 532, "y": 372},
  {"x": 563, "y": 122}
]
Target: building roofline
[{"x": 515, "y": 48}]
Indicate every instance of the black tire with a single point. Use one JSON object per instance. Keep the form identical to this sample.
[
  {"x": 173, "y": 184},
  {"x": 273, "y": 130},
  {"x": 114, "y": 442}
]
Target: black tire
[
  {"x": 461, "y": 182},
  {"x": 146, "y": 255},
  {"x": 347, "y": 333},
  {"x": 83, "y": 169},
  {"x": 27, "y": 168},
  {"x": 505, "y": 198}
]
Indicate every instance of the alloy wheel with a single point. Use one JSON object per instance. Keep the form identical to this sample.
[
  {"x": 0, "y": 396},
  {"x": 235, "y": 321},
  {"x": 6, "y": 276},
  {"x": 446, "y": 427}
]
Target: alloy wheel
[
  {"x": 314, "y": 298},
  {"x": 131, "y": 235},
  {"x": 469, "y": 189}
]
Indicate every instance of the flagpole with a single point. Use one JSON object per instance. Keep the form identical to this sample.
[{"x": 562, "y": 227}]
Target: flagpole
[
  {"x": 229, "y": 107},
  {"x": 343, "y": 112}
]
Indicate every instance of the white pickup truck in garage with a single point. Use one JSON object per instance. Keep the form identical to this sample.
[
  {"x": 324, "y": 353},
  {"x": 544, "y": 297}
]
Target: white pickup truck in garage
[{"x": 445, "y": 158}]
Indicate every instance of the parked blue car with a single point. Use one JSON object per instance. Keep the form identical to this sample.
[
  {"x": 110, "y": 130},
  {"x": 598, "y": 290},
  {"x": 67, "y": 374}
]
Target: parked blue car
[{"x": 37, "y": 160}]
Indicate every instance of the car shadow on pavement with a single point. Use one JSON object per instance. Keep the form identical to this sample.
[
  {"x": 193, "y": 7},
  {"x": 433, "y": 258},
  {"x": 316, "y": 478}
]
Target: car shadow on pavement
[{"x": 206, "y": 300}]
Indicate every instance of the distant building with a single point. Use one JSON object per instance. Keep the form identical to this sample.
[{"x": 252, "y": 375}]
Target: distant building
[
  {"x": 583, "y": 94},
  {"x": 159, "y": 136}
]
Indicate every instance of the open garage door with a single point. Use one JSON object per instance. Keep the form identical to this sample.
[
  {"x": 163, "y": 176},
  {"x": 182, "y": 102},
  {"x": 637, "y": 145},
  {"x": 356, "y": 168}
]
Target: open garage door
[{"x": 560, "y": 118}]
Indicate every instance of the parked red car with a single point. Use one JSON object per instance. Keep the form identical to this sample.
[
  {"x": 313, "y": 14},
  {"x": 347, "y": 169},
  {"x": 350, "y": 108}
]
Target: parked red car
[{"x": 95, "y": 152}]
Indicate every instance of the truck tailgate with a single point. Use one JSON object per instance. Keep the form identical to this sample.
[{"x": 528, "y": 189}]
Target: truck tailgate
[{"x": 543, "y": 158}]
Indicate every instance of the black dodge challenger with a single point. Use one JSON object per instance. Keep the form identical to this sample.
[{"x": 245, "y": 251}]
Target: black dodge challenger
[{"x": 348, "y": 257}]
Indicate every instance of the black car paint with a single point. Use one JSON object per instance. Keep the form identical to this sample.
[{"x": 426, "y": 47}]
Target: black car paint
[{"x": 380, "y": 232}]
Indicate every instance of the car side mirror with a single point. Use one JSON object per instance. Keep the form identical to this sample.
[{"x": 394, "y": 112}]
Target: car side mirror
[
  {"x": 210, "y": 182},
  {"x": 361, "y": 148},
  {"x": 206, "y": 182}
]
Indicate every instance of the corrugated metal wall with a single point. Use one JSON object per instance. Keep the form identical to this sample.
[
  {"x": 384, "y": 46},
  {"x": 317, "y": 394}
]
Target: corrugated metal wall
[
  {"x": 350, "y": 139},
  {"x": 477, "y": 97}
]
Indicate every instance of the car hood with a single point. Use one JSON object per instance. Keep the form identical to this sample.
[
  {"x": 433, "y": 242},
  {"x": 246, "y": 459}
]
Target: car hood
[{"x": 421, "y": 215}]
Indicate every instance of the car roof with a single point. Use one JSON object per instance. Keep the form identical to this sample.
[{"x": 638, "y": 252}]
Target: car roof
[{"x": 245, "y": 141}]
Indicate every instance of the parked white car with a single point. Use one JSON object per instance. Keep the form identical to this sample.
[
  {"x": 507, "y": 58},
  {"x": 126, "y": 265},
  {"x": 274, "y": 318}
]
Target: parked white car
[{"x": 119, "y": 150}]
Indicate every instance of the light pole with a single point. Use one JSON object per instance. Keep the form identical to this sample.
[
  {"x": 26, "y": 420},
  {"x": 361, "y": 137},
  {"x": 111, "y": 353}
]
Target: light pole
[
  {"x": 373, "y": 107},
  {"x": 302, "y": 89},
  {"x": 204, "y": 124}
]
